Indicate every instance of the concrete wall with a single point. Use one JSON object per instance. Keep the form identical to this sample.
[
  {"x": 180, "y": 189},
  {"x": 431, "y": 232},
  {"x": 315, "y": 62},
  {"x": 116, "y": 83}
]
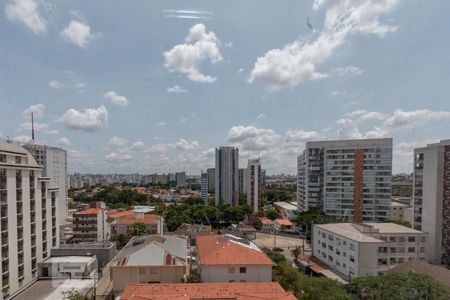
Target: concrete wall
[
  {"x": 260, "y": 273},
  {"x": 121, "y": 276},
  {"x": 104, "y": 255}
]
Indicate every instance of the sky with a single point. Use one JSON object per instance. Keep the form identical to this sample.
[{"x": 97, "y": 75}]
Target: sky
[{"x": 155, "y": 86}]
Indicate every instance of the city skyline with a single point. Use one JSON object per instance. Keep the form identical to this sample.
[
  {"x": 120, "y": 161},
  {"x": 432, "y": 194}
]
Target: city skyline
[{"x": 123, "y": 97}]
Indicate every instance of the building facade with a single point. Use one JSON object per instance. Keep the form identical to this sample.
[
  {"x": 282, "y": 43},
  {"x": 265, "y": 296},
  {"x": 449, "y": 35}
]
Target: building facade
[
  {"x": 29, "y": 226},
  {"x": 358, "y": 250},
  {"x": 347, "y": 179},
  {"x": 180, "y": 177},
  {"x": 243, "y": 181},
  {"x": 211, "y": 181},
  {"x": 255, "y": 184},
  {"x": 54, "y": 165},
  {"x": 91, "y": 225},
  {"x": 431, "y": 198},
  {"x": 227, "y": 176},
  {"x": 204, "y": 187}
]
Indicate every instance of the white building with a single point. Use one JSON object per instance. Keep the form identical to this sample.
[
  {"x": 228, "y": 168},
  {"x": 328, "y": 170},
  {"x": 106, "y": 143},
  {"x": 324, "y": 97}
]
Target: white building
[
  {"x": 348, "y": 179},
  {"x": 91, "y": 225},
  {"x": 431, "y": 198},
  {"x": 227, "y": 176},
  {"x": 255, "y": 184},
  {"x": 204, "y": 187},
  {"x": 400, "y": 212},
  {"x": 68, "y": 266},
  {"x": 227, "y": 258},
  {"x": 29, "y": 226},
  {"x": 370, "y": 249},
  {"x": 54, "y": 165}
]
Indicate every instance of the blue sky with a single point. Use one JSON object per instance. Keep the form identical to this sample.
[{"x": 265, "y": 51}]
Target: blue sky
[{"x": 156, "y": 85}]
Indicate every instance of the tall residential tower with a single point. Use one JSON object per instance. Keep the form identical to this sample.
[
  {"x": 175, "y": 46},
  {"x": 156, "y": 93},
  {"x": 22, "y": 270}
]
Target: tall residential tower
[
  {"x": 227, "y": 176},
  {"x": 348, "y": 179},
  {"x": 255, "y": 184}
]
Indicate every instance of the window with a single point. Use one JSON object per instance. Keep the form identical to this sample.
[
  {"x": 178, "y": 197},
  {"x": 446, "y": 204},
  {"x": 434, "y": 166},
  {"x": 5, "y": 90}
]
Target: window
[
  {"x": 411, "y": 249},
  {"x": 411, "y": 239},
  {"x": 2, "y": 158},
  {"x": 422, "y": 239},
  {"x": 231, "y": 280},
  {"x": 141, "y": 271},
  {"x": 153, "y": 270},
  {"x": 401, "y": 239},
  {"x": 352, "y": 247},
  {"x": 330, "y": 247},
  {"x": 352, "y": 258},
  {"x": 231, "y": 270},
  {"x": 392, "y": 239},
  {"x": 18, "y": 159},
  {"x": 242, "y": 270}
]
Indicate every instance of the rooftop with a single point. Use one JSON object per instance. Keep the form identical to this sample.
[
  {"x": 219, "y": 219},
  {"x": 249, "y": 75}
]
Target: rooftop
[
  {"x": 148, "y": 219},
  {"x": 116, "y": 215},
  {"x": 285, "y": 205},
  {"x": 90, "y": 211},
  {"x": 54, "y": 289},
  {"x": 284, "y": 222},
  {"x": 152, "y": 250},
  {"x": 237, "y": 291},
  {"x": 350, "y": 231},
  {"x": 70, "y": 259},
  {"x": 229, "y": 250},
  {"x": 266, "y": 221}
]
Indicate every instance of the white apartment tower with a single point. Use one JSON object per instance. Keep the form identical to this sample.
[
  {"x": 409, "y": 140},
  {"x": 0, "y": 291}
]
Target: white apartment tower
[
  {"x": 431, "y": 198},
  {"x": 243, "y": 181},
  {"x": 29, "y": 226},
  {"x": 255, "y": 184},
  {"x": 227, "y": 176},
  {"x": 348, "y": 179},
  {"x": 54, "y": 165},
  {"x": 204, "y": 187}
]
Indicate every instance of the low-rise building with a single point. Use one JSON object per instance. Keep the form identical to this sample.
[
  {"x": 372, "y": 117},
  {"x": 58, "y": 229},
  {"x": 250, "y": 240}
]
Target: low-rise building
[
  {"x": 90, "y": 225},
  {"x": 283, "y": 224},
  {"x": 287, "y": 210},
  {"x": 191, "y": 231},
  {"x": 399, "y": 211},
  {"x": 68, "y": 267},
  {"x": 227, "y": 258},
  {"x": 266, "y": 224},
  {"x": 150, "y": 259},
  {"x": 370, "y": 249},
  {"x": 235, "y": 291},
  {"x": 104, "y": 251},
  {"x": 124, "y": 225}
]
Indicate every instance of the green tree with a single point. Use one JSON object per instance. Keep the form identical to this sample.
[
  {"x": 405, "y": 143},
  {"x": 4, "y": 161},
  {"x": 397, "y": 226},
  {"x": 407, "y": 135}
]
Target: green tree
[
  {"x": 120, "y": 240},
  {"x": 271, "y": 214},
  {"x": 75, "y": 295},
  {"x": 139, "y": 228},
  {"x": 305, "y": 220},
  {"x": 296, "y": 252},
  {"x": 399, "y": 286}
]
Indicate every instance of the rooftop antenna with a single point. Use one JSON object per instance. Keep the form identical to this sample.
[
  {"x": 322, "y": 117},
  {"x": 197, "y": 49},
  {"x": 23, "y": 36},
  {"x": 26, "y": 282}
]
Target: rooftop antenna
[{"x": 32, "y": 127}]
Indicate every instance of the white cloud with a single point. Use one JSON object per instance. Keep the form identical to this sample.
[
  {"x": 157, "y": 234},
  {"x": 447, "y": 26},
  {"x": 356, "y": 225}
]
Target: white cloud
[
  {"x": 300, "y": 135},
  {"x": 160, "y": 148},
  {"x": 183, "y": 145},
  {"x": 91, "y": 119},
  {"x": 77, "y": 33},
  {"x": 187, "y": 58},
  {"x": 116, "y": 98},
  {"x": 176, "y": 89},
  {"x": 347, "y": 71},
  {"x": 252, "y": 138},
  {"x": 124, "y": 154},
  {"x": 297, "y": 62},
  {"x": 23, "y": 139},
  {"x": 38, "y": 111},
  {"x": 408, "y": 119},
  {"x": 161, "y": 124},
  {"x": 117, "y": 141},
  {"x": 26, "y": 11},
  {"x": 261, "y": 116},
  {"x": 362, "y": 115},
  {"x": 64, "y": 142},
  {"x": 338, "y": 93},
  {"x": 27, "y": 126},
  {"x": 348, "y": 129},
  {"x": 54, "y": 84}
]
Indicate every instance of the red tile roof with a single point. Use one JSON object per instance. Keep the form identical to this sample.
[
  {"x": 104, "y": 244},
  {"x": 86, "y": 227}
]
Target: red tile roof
[
  {"x": 121, "y": 214},
  {"x": 148, "y": 219},
  {"x": 266, "y": 221},
  {"x": 187, "y": 291},
  {"x": 284, "y": 222},
  {"x": 219, "y": 250},
  {"x": 90, "y": 211}
]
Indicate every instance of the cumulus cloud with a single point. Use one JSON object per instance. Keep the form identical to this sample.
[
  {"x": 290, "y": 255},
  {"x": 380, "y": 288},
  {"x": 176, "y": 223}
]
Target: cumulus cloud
[
  {"x": 347, "y": 71},
  {"x": 117, "y": 141},
  {"x": 187, "y": 58},
  {"x": 261, "y": 116},
  {"x": 116, "y": 98},
  {"x": 364, "y": 115},
  {"x": 252, "y": 138},
  {"x": 64, "y": 142},
  {"x": 89, "y": 120},
  {"x": 297, "y": 62},
  {"x": 124, "y": 154},
  {"x": 300, "y": 135},
  {"x": 176, "y": 89},
  {"x": 54, "y": 84},
  {"x": 408, "y": 119},
  {"x": 38, "y": 111},
  {"x": 26, "y": 12},
  {"x": 23, "y": 139},
  {"x": 348, "y": 129},
  {"x": 77, "y": 33},
  {"x": 161, "y": 124},
  {"x": 183, "y": 145}
]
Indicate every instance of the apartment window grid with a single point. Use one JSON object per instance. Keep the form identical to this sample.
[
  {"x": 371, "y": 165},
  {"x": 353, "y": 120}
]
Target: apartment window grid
[{"x": 4, "y": 231}]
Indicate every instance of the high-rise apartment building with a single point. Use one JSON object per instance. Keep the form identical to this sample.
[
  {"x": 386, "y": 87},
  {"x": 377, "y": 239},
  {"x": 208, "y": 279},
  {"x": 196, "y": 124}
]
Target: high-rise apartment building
[
  {"x": 348, "y": 179},
  {"x": 255, "y": 184},
  {"x": 227, "y": 176},
  {"x": 211, "y": 174},
  {"x": 181, "y": 179},
  {"x": 29, "y": 226},
  {"x": 54, "y": 165},
  {"x": 243, "y": 181},
  {"x": 431, "y": 198},
  {"x": 204, "y": 187}
]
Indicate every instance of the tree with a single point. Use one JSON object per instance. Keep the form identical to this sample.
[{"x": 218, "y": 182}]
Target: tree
[
  {"x": 399, "y": 286},
  {"x": 271, "y": 214},
  {"x": 139, "y": 228},
  {"x": 120, "y": 240},
  {"x": 296, "y": 252},
  {"x": 305, "y": 220},
  {"x": 75, "y": 295}
]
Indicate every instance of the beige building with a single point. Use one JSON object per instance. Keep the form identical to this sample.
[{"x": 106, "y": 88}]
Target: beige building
[
  {"x": 90, "y": 225},
  {"x": 124, "y": 225},
  {"x": 356, "y": 250},
  {"x": 400, "y": 212},
  {"x": 227, "y": 258},
  {"x": 150, "y": 259}
]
